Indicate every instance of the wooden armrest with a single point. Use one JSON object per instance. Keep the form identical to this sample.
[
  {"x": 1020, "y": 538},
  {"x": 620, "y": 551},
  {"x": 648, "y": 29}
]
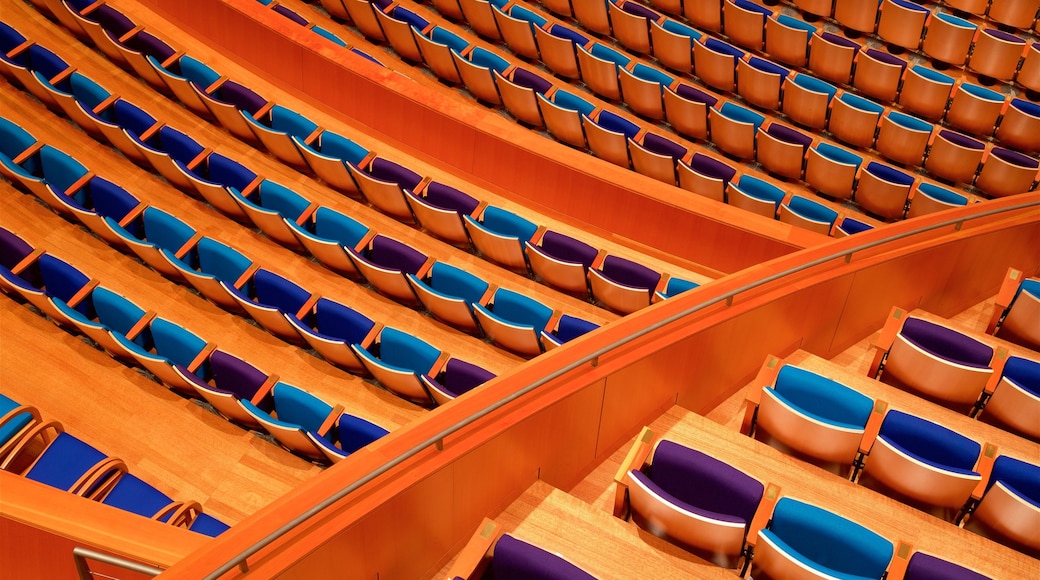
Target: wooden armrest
[
  {"x": 508, "y": 73},
  {"x": 201, "y": 357},
  {"x": 150, "y": 131},
  {"x": 635, "y": 459},
  {"x": 468, "y": 563},
  {"x": 422, "y": 185},
  {"x": 464, "y": 53},
  {"x": 246, "y": 275},
  {"x": 330, "y": 420},
  {"x": 368, "y": 159},
  {"x": 38, "y": 431},
  {"x": 173, "y": 58},
  {"x": 199, "y": 158},
  {"x": 873, "y": 427},
  {"x": 79, "y": 183},
  {"x": 251, "y": 186},
  {"x": 216, "y": 84},
  {"x": 766, "y": 377},
  {"x": 100, "y": 479},
  {"x": 24, "y": 46},
  {"x": 488, "y": 294},
  {"x": 89, "y": 9},
  {"x": 27, "y": 261},
  {"x": 438, "y": 365},
  {"x": 597, "y": 262},
  {"x": 62, "y": 75},
  {"x": 105, "y": 104},
  {"x": 763, "y": 512},
  {"x": 181, "y": 513},
  {"x": 888, "y": 335},
  {"x": 554, "y": 320},
  {"x": 133, "y": 214},
  {"x": 313, "y": 136},
  {"x": 481, "y": 206},
  {"x": 140, "y": 325},
  {"x": 552, "y": 90},
  {"x": 1008, "y": 289},
  {"x": 364, "y": 241},
  {"x": 259, "y": 114},
  {"x": 307, "y": 306},
  {"x": 131, "y": 33},
  {"x": 640, "y": 135},
  {"x": 264, "y": 389},
  {"x": 188, "y": 245},
  {"x": 83, "y": 292},
  {"x": 897, "y": 567},
  {"x": 425, "y": 268},
  {"x": 307, "y": 213},
  {"x": 29, "y": 152},
  {"x": 372, "y": 334},
  {"x": 18, "y": 411},
  {"x": 997, "y": 364},
  {"x": 984, "y": 468}
]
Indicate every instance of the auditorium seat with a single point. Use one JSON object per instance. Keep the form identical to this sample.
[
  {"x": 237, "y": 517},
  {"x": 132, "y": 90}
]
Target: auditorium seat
[
  {"x": 807, "y": 100},
  {"x": 925, "y": 92},
  {"x": 349, "y": 434},
  {"x": 562, "y": 262},
  {"x": 755, "y": 195},
  {"x": 514, "y": 559},
  {"x": 759, "y": 81},
  {"x": 630, "y": 24},
  {"x": 231, "y": 380},
  {"x": 949, "y": 38},
  {"x": 715, "y": 63},
  {"x": 385, "y": 262},
  {"x": 208, "y": 525},
  {"x": 924, "y": 566},
  {"x": 213, "y": 175},
  {"x": 854, "y": 120},
  {"x": 883, "y": 190},
  {"x": 857, "y": 15},
  {"x": 1009, "y": 506},
  {"x": 330, "y": 328},
  {"x": 327, "y": 235},
  {"x": 211, "y": 268},
  {"x": 15, "y": 422},
  {"x": 996, "y": 54},
  {"x": 449, "y": 294},
  {"x": 927, "y": 198},
  {"x": 514, "y": 321},
  {"x": 456, "y": 378},
  {"x": 781, "y": 150},
  {"x": 803, "y": 540},
  {"x": 902, "y": 23},
  {"x": 44, "y": 170},
  {"x": 954, "y": 156},
  {"x": 439, "y": 208},
  {"x": 806, "y": 213},
  {"x": 382, "y": 182},
  {"x": 694, "y": 499},
  {"x": 131, "y": 493},
  {"x": 686, "y": 110},
  {"x": 563, "y": 114},
  {"x": 1029, "y": 74},
  {"x": 744, "y": 22},
  {"x": 816, "y": 7},
  {"x": 499, "y": 235},
  {"x": 642, "y": 87},
  {"x": 706, "y": 14},
  {"x": 98, "y": 204},
  {"x": 164, "y": 148},
  {"x": 608, "y": 136},
  {"x": 673, "y": 44},
  {"x": 787, "y": 39},
  {"x": 706, "y": 176},
  {"x": 831, "y": 56},
  {"x": 436, "y": 47},
  {"x": 518, "y": 95},
  {"x": 362, "y": 14},
  {"x": 623, "y": 285},
  {"x": 277, "y": 128},
  {"x": 163, "y": 346},
  {"x": 878, "y": 73},
  {"x": 49, "y": 455},
  {"x": 592, "y": 14},
  {"x": 816, "y": 416},
  {"x": 656, "y": 156},
  {"x": 270, "y": 207},
  {"x": 17, "y": 143},
  {"x": 475, "y": 70},
  {"x": 733, "y": 129},
  {"x": 1017, "y": 316},
  {"x": 33, "y": 65},
  {"x": 567, "y": 328},
  {"x": 556, "y": 47},
  {"x": 1019, "y": 127},
  {"x": 397, "y": 23},
  {"x": 599, "y": 69},
  {"x": 849, "y": 226},
  {"x": 974, "y": 109},
  {"x": 1014, "y": 13},
  {"x": 1015, "y": 400},
  {"x": 832, "y": 170},
  {"x": 397, "y": 359},
  {"x": 294, "y": 413},
  {"x": 1007, "y": 172},
  {"x": 102, "y": 312},
  {"x": 77, "y": 96},
  {"x": 123, "y": 119}
]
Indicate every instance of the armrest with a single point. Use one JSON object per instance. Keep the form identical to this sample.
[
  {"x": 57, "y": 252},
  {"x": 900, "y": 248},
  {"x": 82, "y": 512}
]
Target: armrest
[
  {"x": 331, "y": 419},
  {"x": 29, "y": 152},
  {"x": 199, "y": 158},
  {"x": 425, "y": 268},
  {"x": 766, "y": 377},
  {"x": 83, "y": 293},
  {"x": 264, "y": 390},
  {"x": 423, "y": 184},
  {"x": 188, "y": 245},
  {"x": 438, "y": 365},
  {"x": 24, "y": 46},
  {"x": 79, "y": 183},
  {"x": 16, "y": 437},
  {"x": 38, "y": 431},
  {"x": 1008, "y": 289},
  {"x": 307, "y": 306},
  {"x": 173, "y": 58},
  {"x": 100, "y": 479},
  {"x": 216, "y": 84},
  {"x": 634, "y": 460},
  {"x": 54, "y": 80},
  {"x": 105, "y": 104},
  {"x": 133, "y": 214},
  {"x": 140, "y": 325},
  {"x": 763, "y": 513},
  {"x": 150, "y": 131},
  {"x": 252, "y": 185},
  {"x": 985, "y": 468},
  {"x": 997, "y": 363},
  {"x": 263, "y": 110},
  {"x": 897, "y": 567},
  {"x": 201, "y": 357},
  {"x": 27, "y": 261},
  {"x": 90, "y": 8},
  {"x": 246, "y": 275},
  {"x": 131, "y": 33},
  {"x": 181, "y": 513},
  {"x": 468, "y": 564},
  {"x": 870, "y": 433},
  {"x": 888, "y": 335}
]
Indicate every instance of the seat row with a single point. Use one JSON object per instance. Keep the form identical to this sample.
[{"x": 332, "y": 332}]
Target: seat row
[
  {"x": 704, "y": 504},
  {"x": 919, "y": 89},
  {"x": 186, "y": 363},
  {"x": 236, "y": 191},
  {"x": 1016, "y": 310},
  {"x": 44, "y": 452},
  {"x": 959, "y": 371}
]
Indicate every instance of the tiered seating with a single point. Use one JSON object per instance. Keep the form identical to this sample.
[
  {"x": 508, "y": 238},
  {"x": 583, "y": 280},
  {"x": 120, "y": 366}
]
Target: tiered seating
[
  {"x": 1016, "y": 311},
  {"x": 44, "y": 452}
]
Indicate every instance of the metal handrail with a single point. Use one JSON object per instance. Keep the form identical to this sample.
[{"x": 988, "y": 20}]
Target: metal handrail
[
  {"x": 80, "y": 555},
  {"x": 240, "y": 559}
]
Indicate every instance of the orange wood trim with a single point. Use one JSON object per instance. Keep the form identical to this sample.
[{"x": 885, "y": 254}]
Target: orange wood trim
[
  {"x": 103, "y": 469},
  {"x": 29, "y": 152},
  {"x": 83, "y": 292},
  {"x": 481, "y": 206},
  {"x": 89, "y": 9},
  {"x": 508, "y": 73},
  {"x": 131, "y": 33},
  {"x": 40, "y": 431},
  {"x": 248, "y": 190},
  {"x": 18, "y": 411},
  {"x": 554, "y": 319},
  {"x": 173, "y": 58},
  {"x": 1008, "y": 289},
  {"x": 20, "y": 48},
  {"x": 133, "y": 214},
  {"x": 188, "y": 245},
  {"x": 199, "y": 158},
  {"x": 314, "y": 135},
  {"x": 873, "y": 427},
  {"x": 426, "y": 31},
  {"x": 364, "y": 241},
  {"x": 62, "y": 75},
  {"x": 425, "y": 268},
  {"x": 307, "y": 213},
  {"x": 105, "y": 104},
  {"x": 488, "y": 294},
  {"x": 900, "y": 560},
  {"x": 468, "y": 563},
  {"x": 465, "y": 52},
  {"x": 264, "y": 389},
  {"x": 893, "y": 325},
  {"x": 307, "y": 306},
  {"x": 640, "y": 135},
  {"x": 985, "y": 468},
  {"x": 635, "y": 459},
  {"x": 79, "y": 183},
  {"x": 363, "y": 165},
  {"x": 330, "y": 420},
  {"x": 27, "y": 261},
  {"x": 140, "y": 325},
  {"x": 764, "y": 512},
  {"x": 151, "y": 131},
  {"x": 423, "y": 184},
  {"x": 997, "y": 364},
  {"x": 263, "y": 110},
  {"x": 438, "y": 364},
  {"x": 181, "y": 512},
  {"x": 372, "y": 334},
  {"x": 216, "y": 84},
  {"x": 201, "y": 357},
  {"x": 766, "y": 377},
  {"x": 597, "y": 262},
  {"x": 246, "y": 275}
]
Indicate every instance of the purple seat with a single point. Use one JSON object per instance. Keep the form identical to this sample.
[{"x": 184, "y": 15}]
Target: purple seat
[
  {"x": 927, "y": 567},
  {"x": 629, "y": 273},
  {"x": 947, "y": 343},
  {"x": 517, "y": 560},
  {"x": 447, "y": 197},
  {"x": 394, "y": 255},
  {"x": 240, "y": 96},
  {"x": 389, "y": 171},
  {"x": 529, "y": 80},
  {"x": 385, "y": 264},
  {"x": 663, "y": 146},
  {"x": 712, "y": 167},
  {"x": 789, "y": 135},
  {"x": 640, "y": 10},
  {"x": 840, "y": 40},
  {"x": 291, "y": 15},
  {"x": 706, "y": 176},
  {"x": 458, "y": 377},
  {"x": 694, "y": 94},
  {"x": 567, "y": 249},
  {"x": 237, "y": 377}
]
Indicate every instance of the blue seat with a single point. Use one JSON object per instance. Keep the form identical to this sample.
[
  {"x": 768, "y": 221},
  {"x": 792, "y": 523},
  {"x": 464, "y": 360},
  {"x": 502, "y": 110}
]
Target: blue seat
[
  {"x": 271, "y": 207},
  {"x": 185, "y": 77},
  {"x": 450, "y": 293},
  {"x": 134, "y": 495},
  {"x": 328, "y": 156},
  {"x": 111, "y": 313},
  {"x": 270, "y": 298},
  {"x": 1010, "y": 505},
  {"x": 65, "y": 462},
  {"x": 806, "y": 213},
  {"x": 62, "y": 284},
  {"x": 97, "y": 204},
  {"x": 349, "y": 434},
  {"x": 214, "y": 175},
  {"x": 45, "y": 171},
  {"x": 153, "y": 231},
  {"x": 499, "y": 235},
  {"x": 928, "y": 198},
  {"x": 328, "y": 233},
  {"x": 1015, "y": 401},
  {"x": 673, "y": 287},
  {"x": 15, "y": 422},
  {"x": 801, "y": 535},
  {"x": 733, "y": 129},
  {"x": 1016, "y": 321},
  {"x": 279, "y": 128},
  {"x": 903, "y": 138},
  {"x": 850, "y": 226},
  {"x": 567, "y": 329},
  {"x": 213, "y": 267},
  {"x": 854, "y": 119},
  {"x": 514, "y": 321},
  {"x": 396, "y": 359},
  {"x": 832, "y": 170},
  {"x": 295, "y": 413},
  {"x": 207, "y": 525},
  {"x": 330, "y": 328},
  {"x": 755, "y": 195},
  {"x": 14, "y": 141},
  {"x": 163, "y": 345}
]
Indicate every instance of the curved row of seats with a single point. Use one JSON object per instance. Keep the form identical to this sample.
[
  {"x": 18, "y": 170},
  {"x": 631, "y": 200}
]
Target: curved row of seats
[
  {"x": 703, "y": 503},
  {"x": 233, "y": 281},
  {"x": 742, "y": 133},
  {"x": 1016, "y": 311},
  {"x": 180, "y": 359},
  {"x": 44, "y": 452},
  {"x": 446, "y": 212}
]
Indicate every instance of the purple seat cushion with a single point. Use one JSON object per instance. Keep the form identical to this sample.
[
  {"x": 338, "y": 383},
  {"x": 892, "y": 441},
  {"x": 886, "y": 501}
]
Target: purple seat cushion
[
  {"x": 568, "y": 249},
  {"x": 712, "y": 167},
  {"x": 291, "y": 15},
  {"x": 927, "y": 567},
  {"x": 235, "y": 376},
  {"x": 840, "y": 40},
  {"x": 240, "y": 96},
  {"x": 885, "y": 57},
  {"x": 1005, "y": 36},
  {"x": 12, "y": 249},
  {"x": 640, "y": 10},
  {"x": 1015, "y": 158},
  {"x": 961, "y": 140},
  {"x": 789, "y": 135},
  {"x": 526, "y": 78},
  {"x": 663, "y": 146},
  {"x": 517, "y": 560},
  {"x": 394, "y": 255},
  {"x": 947, "y": 343},
  {"x": 694, "y": 94},
  {"x": 629, "y": 273},
  {"x": 704, "y": 482},
  {"x": 148, "y": 44},
  {"x": 447, "y": 197},
  {"x": 385, "y": 170},
  {"x": 460, "y": 376}
]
